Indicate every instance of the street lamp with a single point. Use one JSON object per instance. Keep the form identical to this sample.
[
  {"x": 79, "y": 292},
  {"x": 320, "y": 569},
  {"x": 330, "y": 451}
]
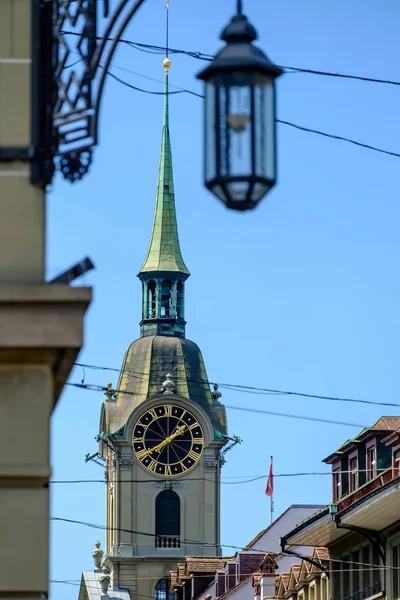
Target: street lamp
[{"x": 240, "y": 126}]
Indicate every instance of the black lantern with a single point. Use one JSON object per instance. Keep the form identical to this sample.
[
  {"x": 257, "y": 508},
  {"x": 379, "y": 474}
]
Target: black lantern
[{"x": 240, "y": 127}]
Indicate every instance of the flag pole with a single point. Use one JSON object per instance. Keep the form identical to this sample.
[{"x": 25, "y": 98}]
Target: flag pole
[{"x": 272, "y": 496}]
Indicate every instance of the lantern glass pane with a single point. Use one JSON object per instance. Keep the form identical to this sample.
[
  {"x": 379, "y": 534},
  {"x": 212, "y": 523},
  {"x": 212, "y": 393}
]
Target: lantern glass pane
[
  {"x": 218, "y": 191},
  {"x": 259, "y": 190},
  {"x": 264, "y": 117},
  {"x": 237, "y": 191},
  {"x": 235, "y": 131},
  {"x": 210, "y": 133}
]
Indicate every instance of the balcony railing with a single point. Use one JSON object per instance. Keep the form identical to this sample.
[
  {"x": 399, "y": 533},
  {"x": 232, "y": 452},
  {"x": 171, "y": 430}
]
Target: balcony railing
[
  {"x": 367, "y": 592},
  {"x": 167, "y": 542}
]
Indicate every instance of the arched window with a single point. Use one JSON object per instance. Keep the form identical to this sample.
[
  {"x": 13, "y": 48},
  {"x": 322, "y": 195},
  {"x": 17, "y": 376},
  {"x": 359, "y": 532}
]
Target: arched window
[
  {"x": 179, "y": 300},
  {"x": 162, "y": 591},
  {"x": 165, "y": 298},
  {"x": 151, "y": 299},
  {"x": 168, "y": 520}
]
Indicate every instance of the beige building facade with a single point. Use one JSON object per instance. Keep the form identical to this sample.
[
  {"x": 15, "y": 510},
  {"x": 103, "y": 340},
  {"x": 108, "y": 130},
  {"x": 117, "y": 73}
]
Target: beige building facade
[{"x": 40, "y": 325}]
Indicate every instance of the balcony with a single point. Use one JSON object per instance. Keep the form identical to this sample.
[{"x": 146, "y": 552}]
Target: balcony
[
  {"x": 367, "y": 592},
  {"x": 167, "y": 542}
]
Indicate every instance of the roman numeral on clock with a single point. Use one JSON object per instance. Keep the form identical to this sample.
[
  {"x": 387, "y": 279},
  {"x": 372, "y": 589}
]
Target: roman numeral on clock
[
  {"x": 152, "y": 466},
  {"x": 193, "y": 455}
]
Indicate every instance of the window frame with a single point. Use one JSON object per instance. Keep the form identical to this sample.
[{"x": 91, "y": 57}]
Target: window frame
[
  {"x": 372, "y": 471},
  {"x": 396, "y": 460},
  {"x": 394, "y": 543},
  {"x": 163, "y": 594},
  {"x": 353, "y": 456},
  {"x": 336, "y": 481}
]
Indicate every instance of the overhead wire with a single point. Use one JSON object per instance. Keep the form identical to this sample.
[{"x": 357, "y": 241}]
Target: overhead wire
[
  {"x": 243, "y": 388},
  {"x": 154, "y": 49},
  {"x": 243, "y": 479},
  {"x": 280, "y": 121},
  {"x": 261, "y": 551},
  {"x": 101, "y": 388}
]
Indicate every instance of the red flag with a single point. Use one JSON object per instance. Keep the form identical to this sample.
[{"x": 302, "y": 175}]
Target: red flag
[{"x": 270, "y": 481}]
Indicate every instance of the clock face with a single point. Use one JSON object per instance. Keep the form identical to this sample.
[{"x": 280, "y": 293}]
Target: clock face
[{"x": 168, "y": 440}]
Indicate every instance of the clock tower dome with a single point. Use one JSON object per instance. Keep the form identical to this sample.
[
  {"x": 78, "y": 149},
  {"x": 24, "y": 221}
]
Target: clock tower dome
[{"x": 162, "y": 431}]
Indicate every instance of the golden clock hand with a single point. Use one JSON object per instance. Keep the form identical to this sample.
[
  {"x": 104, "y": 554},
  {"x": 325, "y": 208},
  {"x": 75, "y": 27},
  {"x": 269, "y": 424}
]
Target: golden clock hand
[{"x": 167, "y": 440}]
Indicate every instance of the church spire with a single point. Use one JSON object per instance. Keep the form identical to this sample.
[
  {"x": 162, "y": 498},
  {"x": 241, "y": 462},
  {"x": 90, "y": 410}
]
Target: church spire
[
  {"x": 164, "y": 253},
  {"x": 164, "y": 271}
]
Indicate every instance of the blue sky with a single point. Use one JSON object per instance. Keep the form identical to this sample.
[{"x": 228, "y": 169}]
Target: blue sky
[{"x": 300, "y": 294}]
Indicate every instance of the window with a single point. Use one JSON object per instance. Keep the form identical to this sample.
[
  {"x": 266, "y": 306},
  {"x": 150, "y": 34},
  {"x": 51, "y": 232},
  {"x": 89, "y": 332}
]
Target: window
[
  {"x": 353, "y": 474},
  {"x": 312, "y": 592},
  {"x": 355, "y": 571},
  {"x": 162, "y": 591},
  {"x": 376, "y": 560},
  {"x": 366, "y": 573},
  {"x": 395, "y": 571},
  {"x": 168, "y": 520},
  {"x": 336, "y": 484},
  {"x": 165, "y": 298},
  {"x": 396, "y": 462},
  {"x": 179, "y": 300},
  {"x": 371, "y": 462},
  {"x": 345, "y": 567},
  {"x": 151, "y": 299}
]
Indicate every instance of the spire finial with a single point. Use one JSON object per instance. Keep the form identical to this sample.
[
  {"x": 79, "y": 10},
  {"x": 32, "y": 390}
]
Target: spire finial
[
  {"x": 166, "y": 64},
  {"x": 239, "y": 7}
]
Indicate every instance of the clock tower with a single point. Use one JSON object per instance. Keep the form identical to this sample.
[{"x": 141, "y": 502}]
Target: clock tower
[{"x": 161, "y": 432}]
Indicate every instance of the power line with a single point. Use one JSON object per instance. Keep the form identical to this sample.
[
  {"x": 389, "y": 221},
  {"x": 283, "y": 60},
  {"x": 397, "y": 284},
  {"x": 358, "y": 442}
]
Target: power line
[
  {"x": 244, "y": 479},
  {"x": 154, "y": 49},
  {"x": 230, "y": 546},
  {"x": 243, "y": 388},
  {"x": 101, "y": 388},
  {"x": 280, "y": 121}
]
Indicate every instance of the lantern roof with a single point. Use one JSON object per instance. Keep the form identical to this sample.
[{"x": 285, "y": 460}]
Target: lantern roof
[
  {"x": 239, "y": 52},
  {"x": 164, "y": 253}
]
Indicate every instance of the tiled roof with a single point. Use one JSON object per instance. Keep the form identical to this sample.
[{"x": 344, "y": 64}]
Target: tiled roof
[
  {"x": 204, "y": 564},
  {"x": 382, "y": 424},
  {"x": 387, "y": 423}
]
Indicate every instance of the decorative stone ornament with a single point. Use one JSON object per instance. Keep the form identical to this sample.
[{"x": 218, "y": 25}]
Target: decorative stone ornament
[
  {"x": 168, "y": 387},
  {"x": 104, "y": 580},
  {"x": 110, "y": 393},
  {"x": 216, "y": 394},
  {"x": 97, "y": 554}
]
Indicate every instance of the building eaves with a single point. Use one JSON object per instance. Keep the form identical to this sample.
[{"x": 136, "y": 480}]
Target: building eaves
[{"x": 303, "y": 525}]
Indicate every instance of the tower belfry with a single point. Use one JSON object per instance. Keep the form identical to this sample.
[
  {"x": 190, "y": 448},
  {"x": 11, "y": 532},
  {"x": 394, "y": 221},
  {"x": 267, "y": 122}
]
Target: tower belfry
[{"x": 163, "y": 429}]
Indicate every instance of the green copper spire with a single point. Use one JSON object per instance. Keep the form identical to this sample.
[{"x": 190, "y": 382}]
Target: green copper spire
[{"x": 164, "y": 253}]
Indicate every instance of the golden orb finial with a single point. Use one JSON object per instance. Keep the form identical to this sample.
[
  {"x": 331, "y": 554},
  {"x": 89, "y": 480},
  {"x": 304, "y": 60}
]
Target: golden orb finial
[{"x": 166, "y": 64}]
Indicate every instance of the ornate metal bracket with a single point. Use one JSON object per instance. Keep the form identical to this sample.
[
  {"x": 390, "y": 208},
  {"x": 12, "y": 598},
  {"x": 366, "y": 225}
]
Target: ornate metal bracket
[{"x": 73, "y": 45}]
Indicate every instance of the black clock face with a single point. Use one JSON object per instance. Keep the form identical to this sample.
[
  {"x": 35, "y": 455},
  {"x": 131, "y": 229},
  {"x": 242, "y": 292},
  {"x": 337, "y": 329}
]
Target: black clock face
[{"x": 168, "y": 440}]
